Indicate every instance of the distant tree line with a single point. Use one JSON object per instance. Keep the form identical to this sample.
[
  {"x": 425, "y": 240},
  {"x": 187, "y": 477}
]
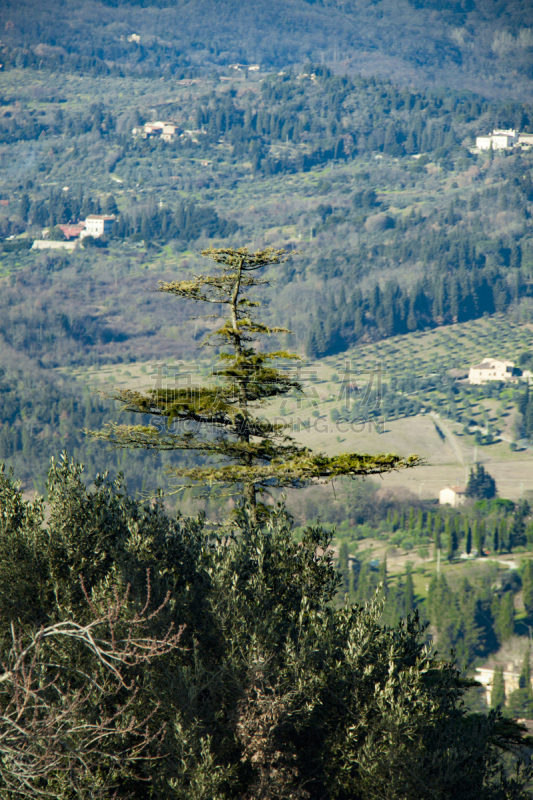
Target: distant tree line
[
  {"x": 390, "y": 310},
  {"x": 39, "y": 419},
  {"x": 145, "y": 60},
  {"x": 62, "y": 207},
  {"x": 186, "y": 222}
]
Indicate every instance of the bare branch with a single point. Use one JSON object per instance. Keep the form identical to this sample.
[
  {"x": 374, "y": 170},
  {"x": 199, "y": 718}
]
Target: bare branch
[{"x": 54, "y": 723}]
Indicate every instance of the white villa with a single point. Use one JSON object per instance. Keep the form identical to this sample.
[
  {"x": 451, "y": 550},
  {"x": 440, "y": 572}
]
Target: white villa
[
  {"x": 97, "y": 225},
  {"x": 503, "y": 140}
]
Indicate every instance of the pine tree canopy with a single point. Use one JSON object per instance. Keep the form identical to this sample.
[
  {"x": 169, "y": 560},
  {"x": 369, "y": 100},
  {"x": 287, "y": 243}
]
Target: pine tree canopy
[
  {"x": 480, "y": 485},
  {"x": 249, "y": 449}
]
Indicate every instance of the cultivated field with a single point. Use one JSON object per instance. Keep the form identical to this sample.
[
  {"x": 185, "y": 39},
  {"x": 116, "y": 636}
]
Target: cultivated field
[{"x": 448, "y": 451}]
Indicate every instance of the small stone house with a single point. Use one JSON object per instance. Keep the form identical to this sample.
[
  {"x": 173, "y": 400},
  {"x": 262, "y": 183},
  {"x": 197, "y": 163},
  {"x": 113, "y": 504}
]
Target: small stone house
[{"x": 453, "y": 496}]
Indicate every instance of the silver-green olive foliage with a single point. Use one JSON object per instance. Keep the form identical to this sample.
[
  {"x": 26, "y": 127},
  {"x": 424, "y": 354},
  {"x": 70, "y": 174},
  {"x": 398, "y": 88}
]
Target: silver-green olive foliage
[{"x": 273, "y": 692}]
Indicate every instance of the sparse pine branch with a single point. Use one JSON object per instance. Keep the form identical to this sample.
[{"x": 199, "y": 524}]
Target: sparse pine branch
[{"x": 300, "y": 470}]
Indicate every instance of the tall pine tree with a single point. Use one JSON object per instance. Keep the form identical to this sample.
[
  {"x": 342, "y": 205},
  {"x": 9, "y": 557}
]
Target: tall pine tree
[{"x": 255, "y": 453}]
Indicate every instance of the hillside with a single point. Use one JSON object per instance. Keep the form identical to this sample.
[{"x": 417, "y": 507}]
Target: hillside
[
  {"x": 388, "y": 243},
  {"x": 389, "y": 239},
  {"x": 412, "y": 396},
  {"x": 481, "y": 45}
]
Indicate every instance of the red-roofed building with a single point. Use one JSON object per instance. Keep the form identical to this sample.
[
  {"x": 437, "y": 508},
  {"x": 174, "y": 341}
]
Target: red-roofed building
[{"x": 72, "y": 231}]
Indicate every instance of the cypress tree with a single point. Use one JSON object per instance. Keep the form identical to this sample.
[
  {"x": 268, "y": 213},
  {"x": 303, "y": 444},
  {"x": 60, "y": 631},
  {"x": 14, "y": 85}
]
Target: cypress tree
[
  {"x": 24, "y": 207},
  {"x": 505, "y": 618},
  {"x": 517, "y": 533},
  {"x": 497, "y": 697},
  {"x": 525, "y": 675},
  {"x": 481, "y": 485},
  {"x": 468, "y": 540},
  {"x": 409, "y": 591},
  {"x": 437, "y": 528},
  {"x": 503, "y": 537},
  {"x": 482, "y": 534},
  {"x": 448, "y": 538},
  {"x": 312, "y": 346},
  {"x": 477, "y": 537},
  {"x": 527, "y": 588}
]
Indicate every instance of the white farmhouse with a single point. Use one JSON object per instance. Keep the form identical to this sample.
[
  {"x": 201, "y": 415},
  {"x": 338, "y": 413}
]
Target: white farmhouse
[
  {"x": 498, "y": 140},
  {"x": 164, "y": 130},
  {"x": 453, "y": 496},
  {"x": 511, "y": 680},
  {"x": 168, "y": 132},
  {"x": 501, "y": 140},
  {"x": 491, "y": 369}
]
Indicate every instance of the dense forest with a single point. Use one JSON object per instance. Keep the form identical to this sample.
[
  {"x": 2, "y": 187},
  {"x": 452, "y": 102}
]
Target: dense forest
[
  {"x": 40, "y": 419},
  {"x": 467, "y": 44}
]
